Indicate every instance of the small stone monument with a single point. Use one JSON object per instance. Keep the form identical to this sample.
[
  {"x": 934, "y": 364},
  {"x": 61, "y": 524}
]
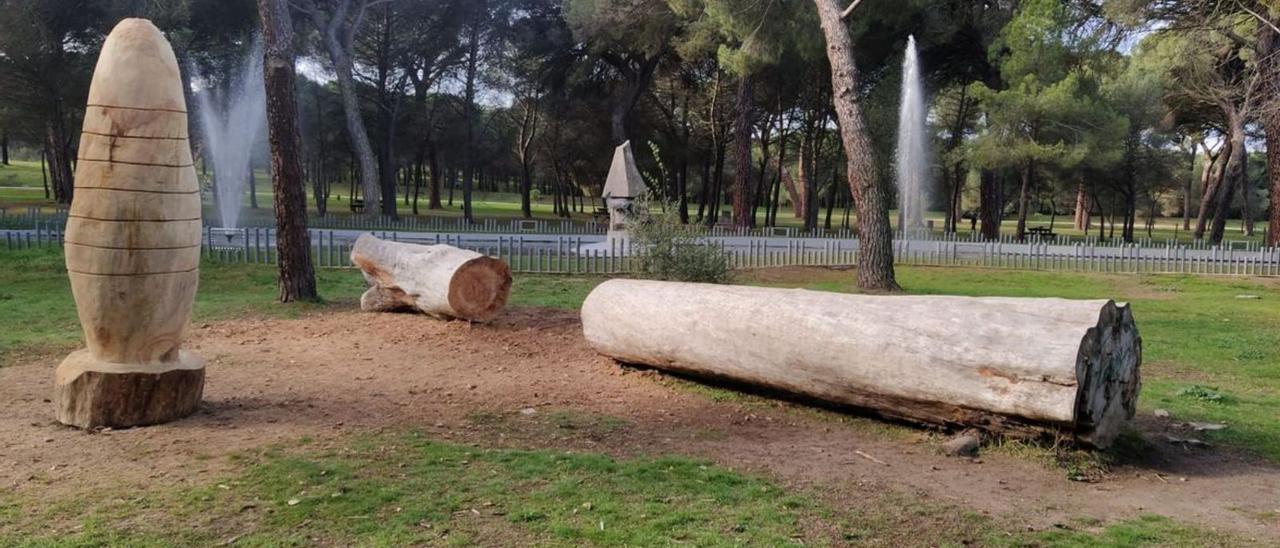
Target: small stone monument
[
  {"x": 622, "y": 189},
  {"x": 133, "y": 242}
]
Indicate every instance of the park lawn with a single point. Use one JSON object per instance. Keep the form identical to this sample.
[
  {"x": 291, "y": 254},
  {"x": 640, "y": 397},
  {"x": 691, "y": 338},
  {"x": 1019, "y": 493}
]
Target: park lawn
[
  {"x": 506, "y": 206},
  {"x": 395, "y": 489},
  {"x": 1209, "y": 343},
  {"x": 37, "y": 312},
  {"x": 21, "y": 173}
]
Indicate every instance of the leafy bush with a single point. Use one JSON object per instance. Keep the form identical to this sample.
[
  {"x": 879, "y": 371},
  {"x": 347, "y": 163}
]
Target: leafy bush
[{"x": 670, "y": 250}]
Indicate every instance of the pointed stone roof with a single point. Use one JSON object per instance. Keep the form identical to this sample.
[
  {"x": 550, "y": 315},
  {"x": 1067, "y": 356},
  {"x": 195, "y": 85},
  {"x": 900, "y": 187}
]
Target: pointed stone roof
[{"x": 624, "y": 179}]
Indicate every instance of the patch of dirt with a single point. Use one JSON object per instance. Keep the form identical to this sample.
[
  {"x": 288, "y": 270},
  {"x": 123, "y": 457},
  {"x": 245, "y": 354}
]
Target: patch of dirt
[{"x": 530, "y": 380}]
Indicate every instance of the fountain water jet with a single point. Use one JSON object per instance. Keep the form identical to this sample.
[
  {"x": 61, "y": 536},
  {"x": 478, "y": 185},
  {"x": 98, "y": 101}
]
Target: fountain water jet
[
  {"x": 913, "y": 149},
  {"x": 231, "y": 133}
]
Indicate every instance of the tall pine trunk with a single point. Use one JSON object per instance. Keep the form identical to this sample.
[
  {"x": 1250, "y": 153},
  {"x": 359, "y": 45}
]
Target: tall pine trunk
[
  {"x": 1215, "y": 172},
  {"x": 991, "y": 211},
  {"x": 468, "y": 116},
  {"x": 1269, "y": 65},
  {"x": 1233, "y": 174},
  {"x": 297, "y": 279},
  {"x": 742, "y": 155},
  {"x": 340, "y": 55},
  {"x": 1024, "y": 198},
  {"x": 875, "y": 248}
]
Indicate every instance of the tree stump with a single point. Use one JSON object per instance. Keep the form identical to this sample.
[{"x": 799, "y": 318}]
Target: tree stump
[
  {"x": 1021, "y": 366},
  {"x": 133, "y": 242},
  {"x": 439, "y": 280}
]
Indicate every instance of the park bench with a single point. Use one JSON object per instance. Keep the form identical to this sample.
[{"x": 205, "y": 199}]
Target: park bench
[
  {"x": 357, "y": 205},
  {"x": 1042, "y": 232},
  {"x": 600, "y": 215}
]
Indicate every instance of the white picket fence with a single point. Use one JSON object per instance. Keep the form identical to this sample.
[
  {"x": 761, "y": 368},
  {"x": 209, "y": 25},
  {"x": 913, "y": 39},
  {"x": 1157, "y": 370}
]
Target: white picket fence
[{"x": 565, "y": 255}]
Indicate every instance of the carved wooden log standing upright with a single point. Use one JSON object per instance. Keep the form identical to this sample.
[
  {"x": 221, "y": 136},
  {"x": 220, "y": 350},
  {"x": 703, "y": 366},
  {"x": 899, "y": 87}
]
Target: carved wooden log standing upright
[
  {"x": 133, "y": 242},
  {"x": 1002, "y": 364}
]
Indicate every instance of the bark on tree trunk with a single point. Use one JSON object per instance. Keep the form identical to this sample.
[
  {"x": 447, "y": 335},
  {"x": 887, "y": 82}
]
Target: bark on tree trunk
[
  {"x": 1186, "y": 193},
  {"x": 875, "y": 247},
  {"x": 4, "y": 147},
  {"x": 297, "y": 279},
  {"x": 1215, "y": 173},
  {"x": 1024, "y": 196},
  {"x": 60, "y": 169},
  {"x": 1082, "y": 219},
  {"x": 1030, "y": 364},
  {"x": 1234, "y": 174},
  {"x": 742, "y": 195},
  {"x": 991, "y": 212},
  {"x": 1269, "y": 65},
  {"x": 468, "y": 117},
  {"x": 340, "y": 56},
  {"x": 1246, "y": 200}
]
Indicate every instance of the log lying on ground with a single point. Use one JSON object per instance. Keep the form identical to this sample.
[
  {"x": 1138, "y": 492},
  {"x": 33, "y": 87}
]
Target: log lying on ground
[
  {"x": 440, "y": 280},
  {"x": 1007, "y": 365}
]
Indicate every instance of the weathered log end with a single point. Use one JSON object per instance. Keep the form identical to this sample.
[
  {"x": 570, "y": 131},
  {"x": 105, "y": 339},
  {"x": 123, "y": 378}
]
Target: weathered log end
[
  {"x": 90, "y": 393},
  {"x": 479, "y": 288},
  {"x": 439, "y": 280},
  {"x": 1107, "y": 371}
]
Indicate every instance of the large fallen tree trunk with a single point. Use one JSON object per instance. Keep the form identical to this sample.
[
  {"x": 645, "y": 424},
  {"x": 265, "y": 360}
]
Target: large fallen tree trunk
[
  {"x": 1009, "y": 365},
  {"x": 440, "y": 280}
]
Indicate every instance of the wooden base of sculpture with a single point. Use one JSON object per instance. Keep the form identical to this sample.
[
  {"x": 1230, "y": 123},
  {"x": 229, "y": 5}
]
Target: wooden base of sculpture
[{"x": 90, "y": 393}]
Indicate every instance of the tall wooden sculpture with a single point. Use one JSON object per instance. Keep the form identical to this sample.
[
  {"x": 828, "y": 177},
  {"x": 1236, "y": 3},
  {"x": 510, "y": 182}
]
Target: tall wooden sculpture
[{"x": 133, "y": 242}]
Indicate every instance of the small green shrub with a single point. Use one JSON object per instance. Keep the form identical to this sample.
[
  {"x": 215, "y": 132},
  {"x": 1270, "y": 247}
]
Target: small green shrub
[{"x": 670, "y": 250}]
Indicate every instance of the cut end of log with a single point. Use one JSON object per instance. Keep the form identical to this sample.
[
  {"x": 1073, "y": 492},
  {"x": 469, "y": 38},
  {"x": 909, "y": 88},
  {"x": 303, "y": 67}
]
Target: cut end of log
[
  {"x": 440, "y": 280},
  {"x": 1107, "y": 370},
  {"x": 479, "y": 288},
  {"x": 90, "y": 393}
]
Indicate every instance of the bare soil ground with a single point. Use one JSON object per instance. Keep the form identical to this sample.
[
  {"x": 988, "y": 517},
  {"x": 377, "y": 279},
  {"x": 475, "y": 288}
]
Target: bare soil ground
[{"x": 336, "y": 374}]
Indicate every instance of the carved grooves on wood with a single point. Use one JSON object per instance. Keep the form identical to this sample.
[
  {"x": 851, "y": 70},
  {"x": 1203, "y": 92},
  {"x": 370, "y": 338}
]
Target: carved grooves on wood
[
  {"x": 140, "y": 190},
  {"x": 162, "y": 248},
  {"x": 143, "y": 109},
  {"x": 75, "y": 216},
  {"x": 144, "y": 164},
  {"x": 135, "y": 137},
  {"x": 134, "y": 274}
]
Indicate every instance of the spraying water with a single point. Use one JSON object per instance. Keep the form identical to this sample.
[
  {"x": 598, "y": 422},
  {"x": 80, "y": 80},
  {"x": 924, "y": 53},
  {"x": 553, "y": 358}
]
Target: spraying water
[
  {"x": 913, "y": 151},
  {"x": 231, "y": 132}
]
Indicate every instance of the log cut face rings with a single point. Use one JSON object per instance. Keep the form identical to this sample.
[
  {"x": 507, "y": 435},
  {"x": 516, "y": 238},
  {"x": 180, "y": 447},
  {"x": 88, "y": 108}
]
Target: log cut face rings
[
  {"x": 439, "y": 280},
  {"x": 1021, "y": 366},
  {"x": 133, "y": 242}
]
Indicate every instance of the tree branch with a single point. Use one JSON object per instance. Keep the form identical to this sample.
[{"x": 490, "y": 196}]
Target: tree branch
[
  {"x": 849, "y": 10},
  {"x": 1259, "y": 17}
]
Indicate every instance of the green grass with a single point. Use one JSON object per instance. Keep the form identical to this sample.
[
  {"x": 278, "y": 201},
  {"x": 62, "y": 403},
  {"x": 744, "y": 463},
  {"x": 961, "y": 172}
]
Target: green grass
[
  {"x": 22, "y": 173},
  {"x": 1143, "y": 531},
  {"x": 37, "y": 310},
  {"x": 405, "y": 489},
  {"x": 1195, "y": 330}
]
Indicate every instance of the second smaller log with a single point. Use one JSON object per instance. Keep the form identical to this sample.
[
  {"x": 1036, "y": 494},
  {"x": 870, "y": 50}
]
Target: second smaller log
[{"x": 440, "y": 280}]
